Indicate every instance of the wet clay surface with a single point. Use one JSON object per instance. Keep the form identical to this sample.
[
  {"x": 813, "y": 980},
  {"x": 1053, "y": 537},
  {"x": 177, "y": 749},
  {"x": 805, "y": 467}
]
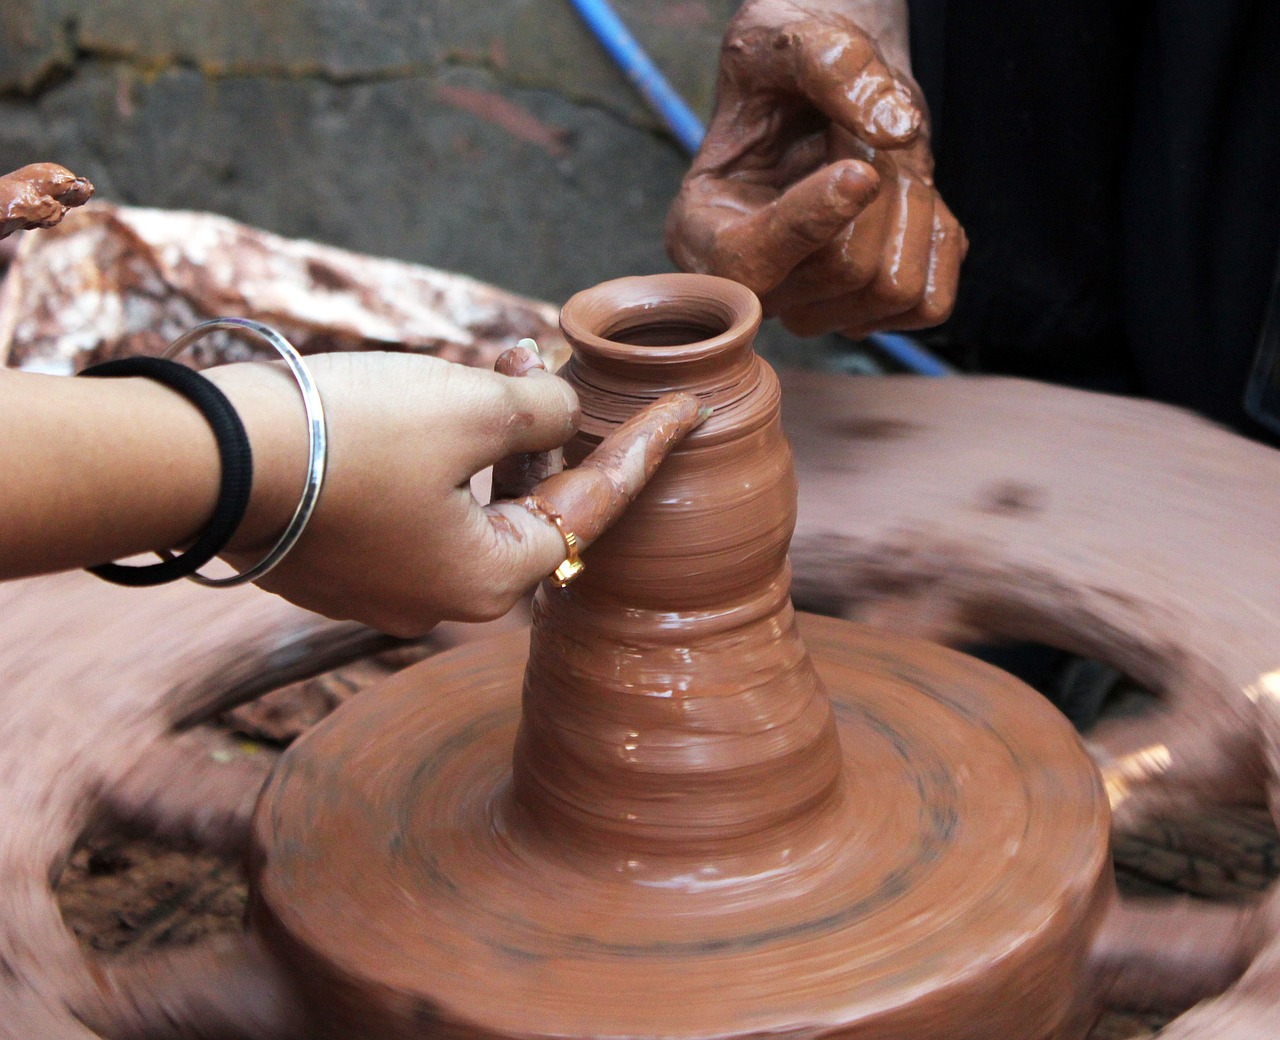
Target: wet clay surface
[
  {"x": 507, "y": 935},
  {"x": 133, "y": 896},
  {"x": 682, "y": 801}
]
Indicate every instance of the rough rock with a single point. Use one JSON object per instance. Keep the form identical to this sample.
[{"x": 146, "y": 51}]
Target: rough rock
[{"x": 495, "y": 139}]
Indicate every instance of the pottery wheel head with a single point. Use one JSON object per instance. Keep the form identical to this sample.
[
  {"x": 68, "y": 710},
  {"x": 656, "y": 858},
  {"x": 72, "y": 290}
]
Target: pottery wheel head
[{"x": 966, "y": 853}]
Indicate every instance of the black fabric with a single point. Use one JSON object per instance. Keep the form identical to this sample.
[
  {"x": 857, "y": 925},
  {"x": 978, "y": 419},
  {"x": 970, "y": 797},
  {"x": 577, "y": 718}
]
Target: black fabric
[
  {"x": 233, "y": 452},
  {"x": 1116, "y": 166}
]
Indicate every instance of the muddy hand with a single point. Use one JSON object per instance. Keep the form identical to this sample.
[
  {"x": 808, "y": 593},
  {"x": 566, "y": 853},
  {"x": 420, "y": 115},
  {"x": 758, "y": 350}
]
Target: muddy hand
[
  {"x": 814, "y": 184},
  {"x": 588, "y": 499},
  {"x": 592, "y": 496},
  {"x": 39, "y": 196}
]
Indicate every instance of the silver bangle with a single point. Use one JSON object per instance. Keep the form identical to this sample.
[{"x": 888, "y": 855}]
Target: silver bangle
[{"x": 317, "y": 435}]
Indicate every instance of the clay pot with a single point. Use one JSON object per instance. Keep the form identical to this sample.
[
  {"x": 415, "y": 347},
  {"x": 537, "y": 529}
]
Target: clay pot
[{"x": 667, "y": 689}]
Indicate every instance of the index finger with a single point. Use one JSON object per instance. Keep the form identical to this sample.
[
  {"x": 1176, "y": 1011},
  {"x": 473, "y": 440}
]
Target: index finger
[
  {"x": 594, "y": 494},
  {"x": 835, "y": 65},
  {"x": 841, "y": 74},
  {"x": 586, "y": 500},
  {"x": 759, "y": 247}
]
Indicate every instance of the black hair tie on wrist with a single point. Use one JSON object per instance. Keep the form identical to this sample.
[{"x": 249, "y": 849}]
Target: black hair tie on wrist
[{"x": 233, "y": 451}]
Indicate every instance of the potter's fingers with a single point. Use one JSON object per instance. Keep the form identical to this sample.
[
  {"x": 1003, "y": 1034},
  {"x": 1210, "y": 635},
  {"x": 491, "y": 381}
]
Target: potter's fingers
[
  {"x": 848, "y": 264},
  {"x": 949, "y": 247},
  {"x": 901, "y": 273},
  {"x": 527, "y": 542},
  {"x": 762, "y": 249},
  {"x": 841, "y": 74},
  {"x": 39, "y": 195},
  {"x": 63, "y": 185},
  {"x": 592, "y": 496},
  {"x": 516, "y": 475},
  {"x": 904, "y": 266},
  {"x": 499, "y": 415},
  {"x": 57, "y": 182}
]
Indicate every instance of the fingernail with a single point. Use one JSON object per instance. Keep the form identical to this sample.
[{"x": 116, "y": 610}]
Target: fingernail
[
  {"x": 530, "y": 344},
  {"x": 704, "y": 413},
  {"x": 857, "y": 183},
  {"x": 519, "y": 361},
  {"x": 895, "y": 116}
]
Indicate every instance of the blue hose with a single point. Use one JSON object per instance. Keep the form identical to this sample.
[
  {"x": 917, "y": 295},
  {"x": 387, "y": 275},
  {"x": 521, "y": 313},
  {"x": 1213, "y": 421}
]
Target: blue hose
[
  {"x": 909, "y": 354},
  {"x": 639, "y": 68},
  {"x": 631, "y": 58}
]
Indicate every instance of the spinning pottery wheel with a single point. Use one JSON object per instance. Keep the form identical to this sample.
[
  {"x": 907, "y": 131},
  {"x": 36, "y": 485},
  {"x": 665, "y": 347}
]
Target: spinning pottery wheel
[
  {"x": 689, "y": 813},
  {"x": 691, "y": 841}
]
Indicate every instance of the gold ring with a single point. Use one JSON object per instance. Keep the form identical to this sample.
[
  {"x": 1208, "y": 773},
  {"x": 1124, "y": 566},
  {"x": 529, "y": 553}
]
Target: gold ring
[{"x": 572, "y": 565}]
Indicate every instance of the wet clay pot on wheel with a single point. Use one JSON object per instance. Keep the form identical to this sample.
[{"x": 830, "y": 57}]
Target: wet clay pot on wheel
[{"x": 704, "y": 816}]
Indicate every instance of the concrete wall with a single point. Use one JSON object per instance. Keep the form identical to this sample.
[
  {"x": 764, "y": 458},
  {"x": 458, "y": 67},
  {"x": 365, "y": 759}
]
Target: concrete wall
[{"x": 486, "y": 136}]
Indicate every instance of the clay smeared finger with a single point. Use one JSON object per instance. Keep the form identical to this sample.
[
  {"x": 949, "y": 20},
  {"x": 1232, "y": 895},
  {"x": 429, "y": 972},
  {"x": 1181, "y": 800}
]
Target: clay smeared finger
[
  {"x": 847, "y": 265},
  {"x": 762, "y": 249},
  {"x": 519, "y": 360},
  {"x": 904, "y": 268},
  {"x": 948, "y": 248},
  {"x": 516, "y": 475},
  {"x": 38, "y": 196},
  {"x": 790, "y": 52},
  {"x": 905, "y": 211},
  {"x": 592, "y": 496},
  {"x": 841, "y": 74},
  {"x": 525, "y": 539}
]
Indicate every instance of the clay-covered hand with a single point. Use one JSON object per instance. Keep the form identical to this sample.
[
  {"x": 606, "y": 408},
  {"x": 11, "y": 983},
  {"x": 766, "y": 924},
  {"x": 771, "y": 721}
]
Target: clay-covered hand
[
  {"x": 398, "y": 540},
  {"x": 39, "y": 195},
  {"x": 814, "y": 184},
  {"x": 591, "y": 496}
]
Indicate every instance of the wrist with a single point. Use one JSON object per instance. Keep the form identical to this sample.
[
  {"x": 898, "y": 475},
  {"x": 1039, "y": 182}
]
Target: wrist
[{"x": 266, "y": 398}]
